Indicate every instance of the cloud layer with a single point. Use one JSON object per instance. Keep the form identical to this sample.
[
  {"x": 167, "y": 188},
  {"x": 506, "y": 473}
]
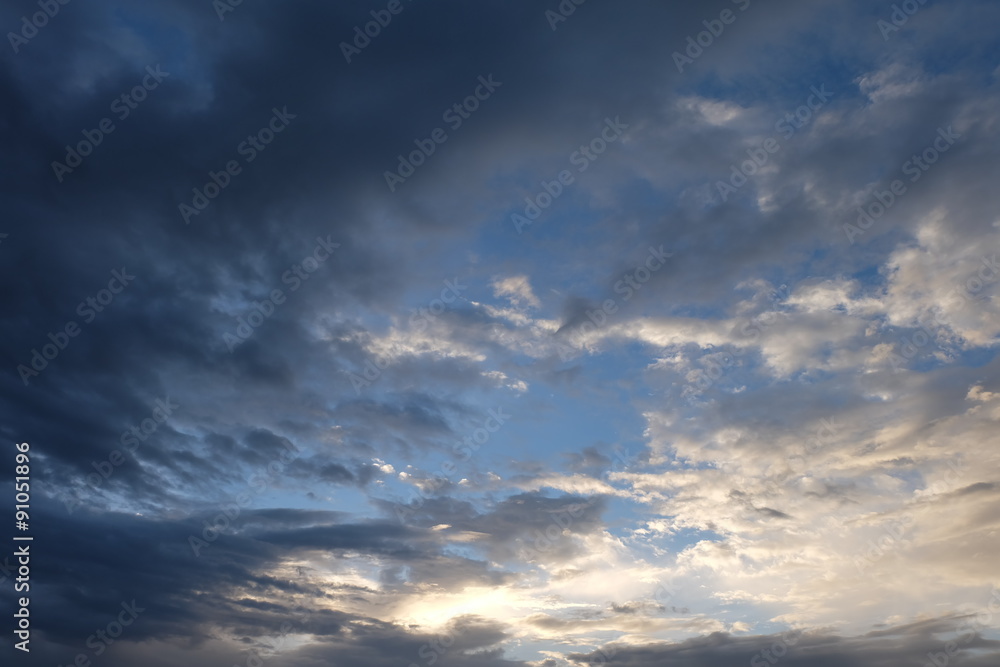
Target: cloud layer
[{"x": 670, "y": 337}]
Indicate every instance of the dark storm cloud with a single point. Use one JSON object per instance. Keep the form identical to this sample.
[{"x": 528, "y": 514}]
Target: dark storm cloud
[
  {"x": 906, "y": 645},
  {"x": 289, "y": 518},
  {"x": 470, "y": 643},
  {"x": 388, "y": 539},
  {"x": 529, "y": 524},
  {"x": 318, "y": 178},
  {"x": 336, "y": 473},
  {"x": 89, "y": 564},
  {"x": 860, "y": 141},
  {"x": 415, "y": 413},
  {"x": 127, "y": 193}
]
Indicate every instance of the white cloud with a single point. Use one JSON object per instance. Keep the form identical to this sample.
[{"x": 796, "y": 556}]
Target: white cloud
[{"x": 517, "y": 289}]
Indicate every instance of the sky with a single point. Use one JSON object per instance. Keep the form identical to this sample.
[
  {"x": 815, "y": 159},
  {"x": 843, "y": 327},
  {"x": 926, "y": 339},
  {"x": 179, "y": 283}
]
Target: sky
[{"x": 500, "y": 334}]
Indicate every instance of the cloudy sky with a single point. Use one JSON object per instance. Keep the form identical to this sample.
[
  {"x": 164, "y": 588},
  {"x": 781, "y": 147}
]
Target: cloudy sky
[{"x": 503, "y": 334}]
